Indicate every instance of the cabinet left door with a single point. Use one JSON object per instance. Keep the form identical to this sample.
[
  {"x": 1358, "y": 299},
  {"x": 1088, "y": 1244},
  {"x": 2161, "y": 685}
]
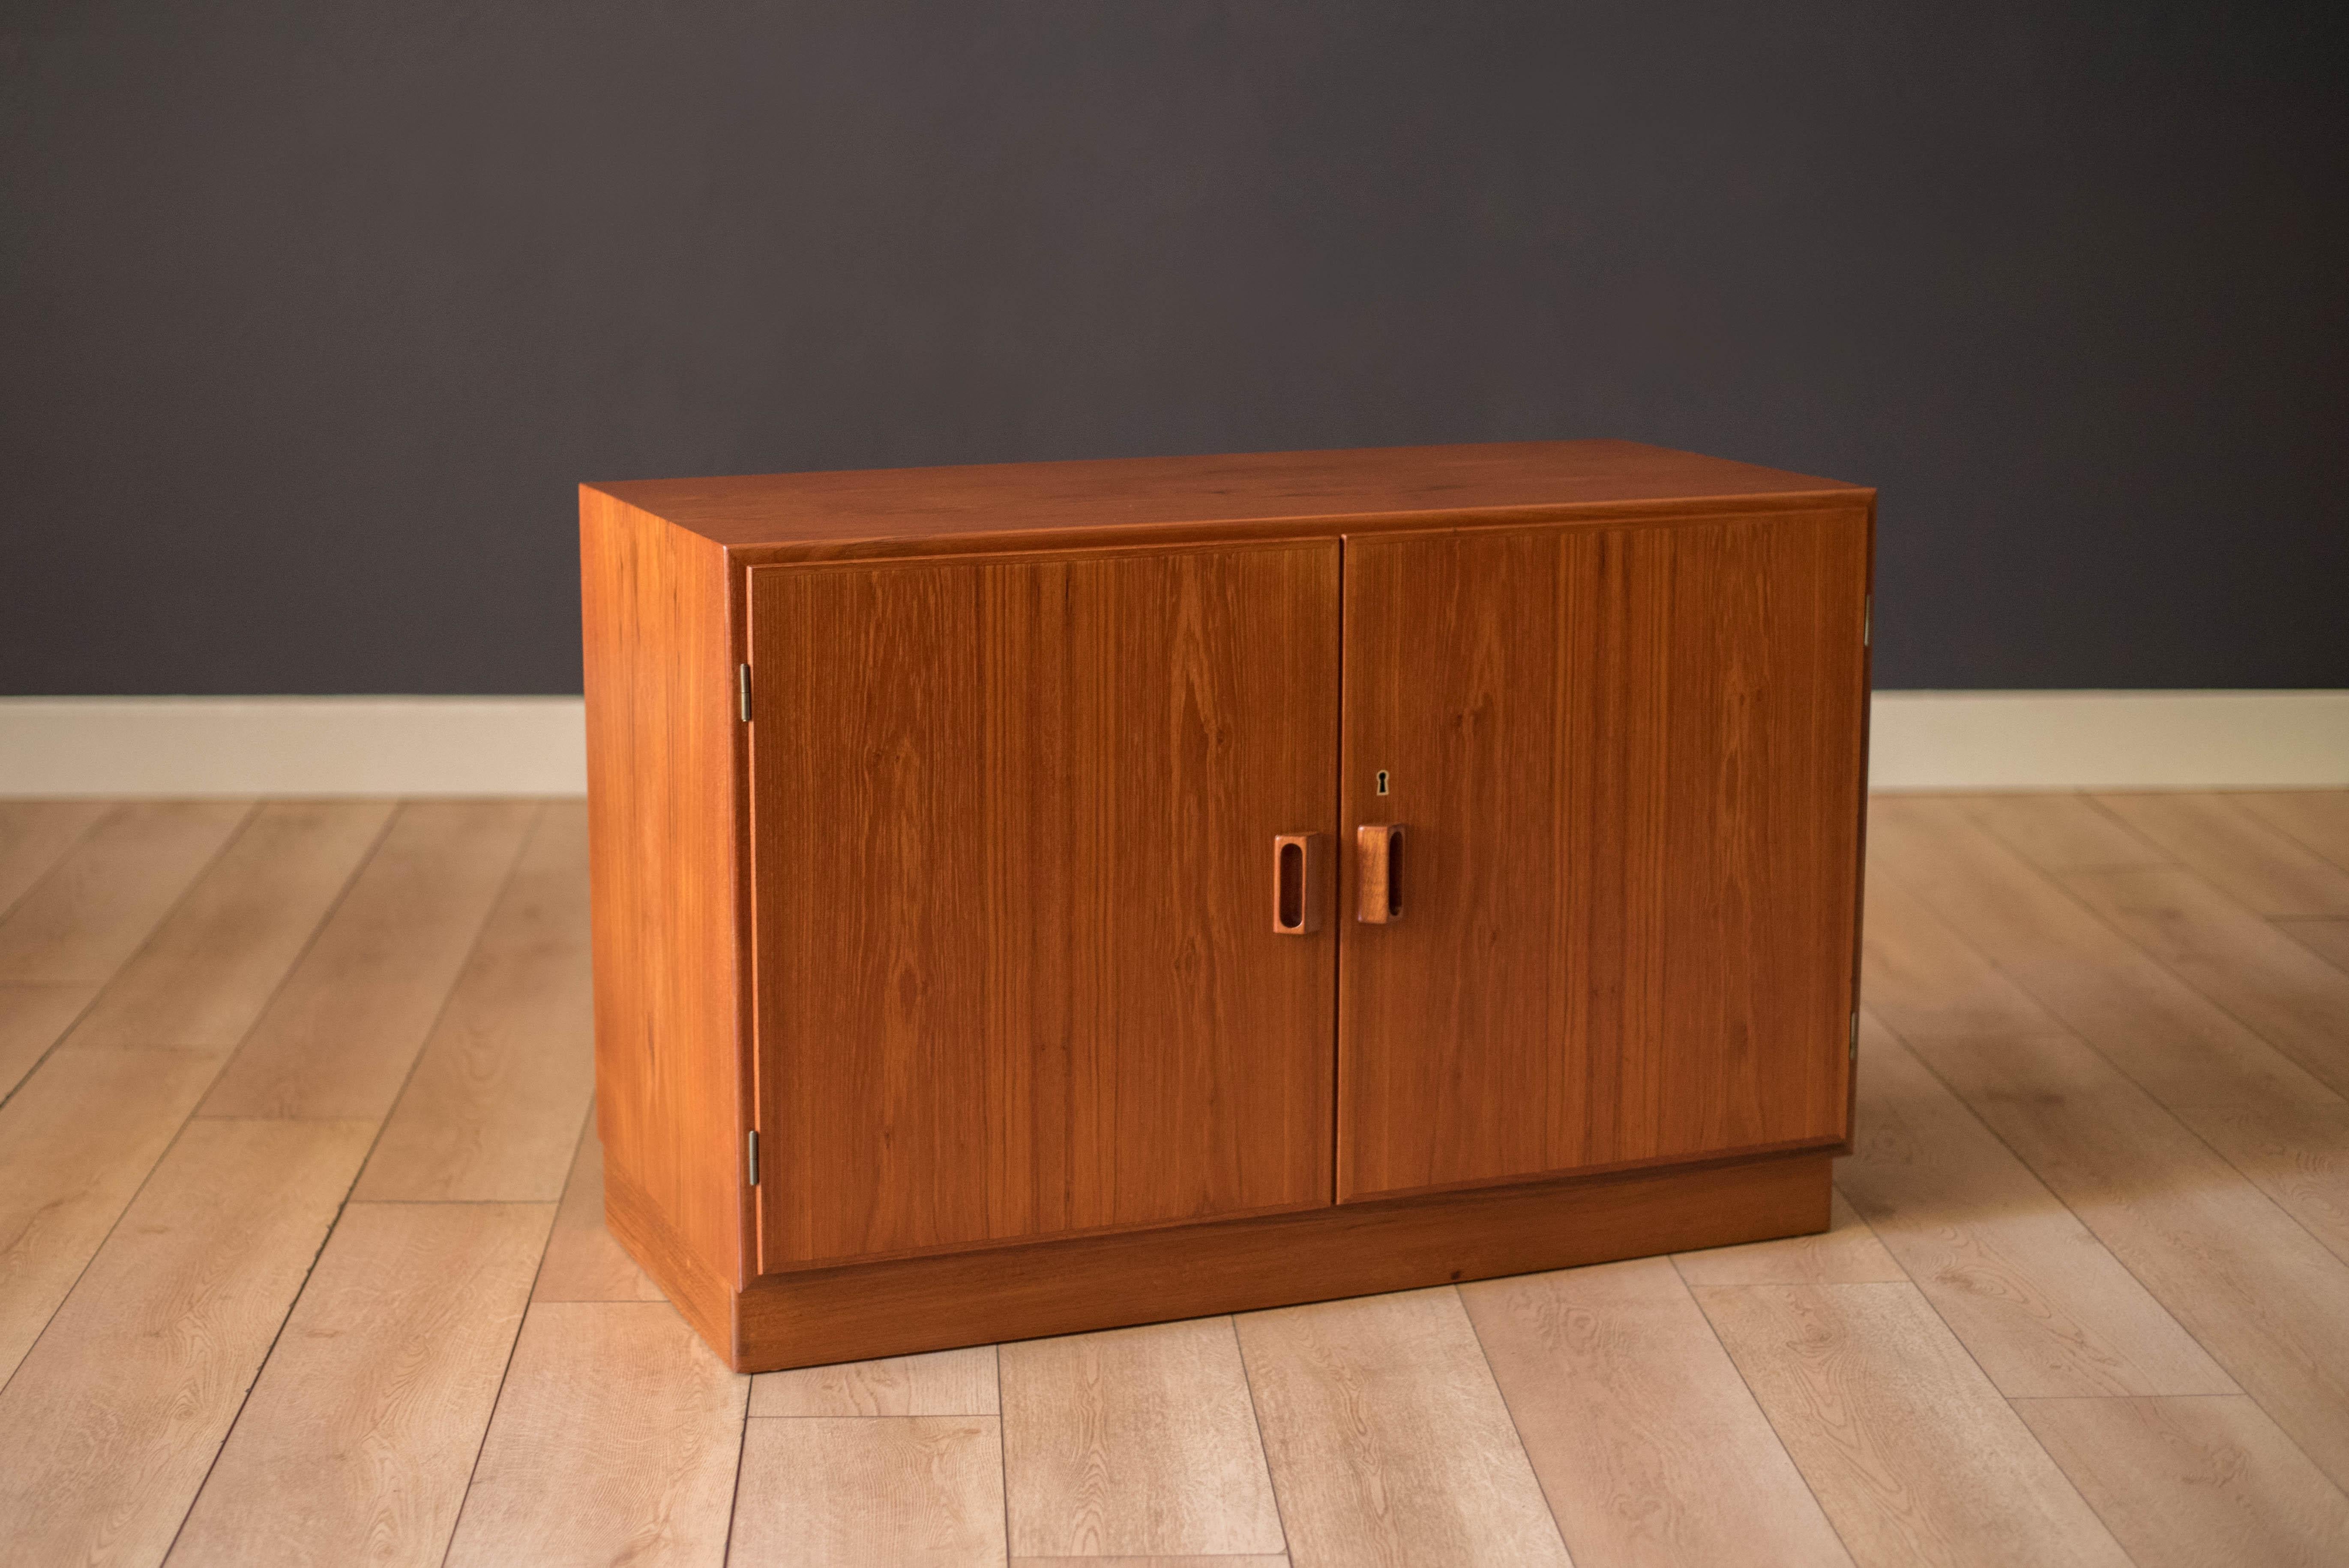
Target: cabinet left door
[{"x": 1012, "y": 826}]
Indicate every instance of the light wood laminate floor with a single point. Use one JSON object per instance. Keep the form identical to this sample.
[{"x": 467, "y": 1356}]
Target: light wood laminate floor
[{"x": 302, "y": 1258}]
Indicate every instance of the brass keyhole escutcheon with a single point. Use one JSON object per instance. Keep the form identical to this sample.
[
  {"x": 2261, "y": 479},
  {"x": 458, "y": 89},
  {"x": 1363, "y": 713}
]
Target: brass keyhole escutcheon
[{"x": 1382, "y": 781}]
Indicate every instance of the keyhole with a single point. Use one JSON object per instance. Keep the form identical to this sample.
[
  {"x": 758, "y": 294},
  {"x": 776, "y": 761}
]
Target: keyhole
[{"x": 1382, "y": 781}]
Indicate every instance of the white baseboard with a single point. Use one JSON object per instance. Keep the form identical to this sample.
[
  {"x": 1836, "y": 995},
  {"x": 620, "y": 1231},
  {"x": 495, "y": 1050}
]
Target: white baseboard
[
  {"x": 283, "y": 745},
  {"x": 2109, "y": 741},
  {"x": 537, "y": 746}
]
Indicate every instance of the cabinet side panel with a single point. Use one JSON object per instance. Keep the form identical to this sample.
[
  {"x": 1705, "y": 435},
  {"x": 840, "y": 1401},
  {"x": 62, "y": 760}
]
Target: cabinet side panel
[{"x": 662, "y": 829}]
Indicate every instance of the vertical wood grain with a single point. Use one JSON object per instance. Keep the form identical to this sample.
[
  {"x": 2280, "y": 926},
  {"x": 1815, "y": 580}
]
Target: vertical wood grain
[
  {"x": 1912, "y": 1453},
  {"x": 493, "y": 1109},
  {"x": 1649, "y": 1446},
  {"x": 358, "y": 1437},
  {"x": 340, "y": 1036},
  {"x": 1014, "y": 975},
  {"x": 206, "y": 972},
  {"x": 1629, "y": 761},
  {"x": 616, "y": 1441},
  {"x": 863, "y": 1493},
  {"x": 1387, "y": 1440},
  {"x": 107, "y": 1430},
  {"x": 663, "y": 808},
  {"x": 1137, "y": 1443},
  {"x": 2195, "y": 1483}
]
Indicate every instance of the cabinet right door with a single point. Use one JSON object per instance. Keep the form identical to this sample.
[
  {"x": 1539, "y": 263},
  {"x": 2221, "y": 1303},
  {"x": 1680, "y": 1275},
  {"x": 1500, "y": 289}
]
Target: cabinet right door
[{"x": 1628, "y": 764}]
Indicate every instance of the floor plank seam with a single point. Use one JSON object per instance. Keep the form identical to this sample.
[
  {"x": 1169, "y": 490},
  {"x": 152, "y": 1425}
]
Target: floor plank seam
[
  {"x": 294, "y": 1300},
  {"x": 473, "y": 948},
  {"x": 2282, "y": 925},
  {"x": 734, "y": 1492},
  {"x": 228, "y": 841},
  {"x": 1776, "y": 1436},
  {"x": 2142, "y": 1282},
  {"x": 2285, "y": 831},
  {"x": 1271, "y": 1473},
  {"x": 480, "y": 1444},
  {"x": 64, "y": 851},
  {"x": 2118, "y": 1067},
  {"x": 1002, "y": 1453},
  {"x": 1486, "y": 1355},
  {"x": 260, "y": 1367}
]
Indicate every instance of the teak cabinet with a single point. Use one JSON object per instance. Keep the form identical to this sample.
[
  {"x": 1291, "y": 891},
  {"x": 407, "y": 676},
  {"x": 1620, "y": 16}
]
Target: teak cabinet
[{"x": 1045, "y": 897}]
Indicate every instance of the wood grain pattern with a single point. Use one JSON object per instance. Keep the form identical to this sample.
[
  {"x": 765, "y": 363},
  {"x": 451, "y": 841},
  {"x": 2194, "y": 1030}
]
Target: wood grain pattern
[
  {"x": 1647, "y": 1445},
  {"x": 2036, "y": 1300},
  {"x": 339, "y": 1036},
  {"x": 109, "y": 1426},
  {"x": 2315, "y": 819},
  {"x": 941, "y": 1383},
  {"x": 860, "y": 1493},
  {"x": 32, "y": 1020},
  {"x": 1387, "y": 1440},
  {"x": 1632, "y": 785},
  {"x": 666, "y": 814},
  {"x": 1846, "y": 1252},
  {"x": 2195, "y": 1483},
  {"x": 35, "y": 835},
  {"x": 1217, "y": 1561},
  {"x": 2258, "y": 1293},
  {"x": 1134, "y": 1442},
  {"x": 2328, "y": 939},
  {"x": 96, "y": 904},
  {"x": 1909, "y": 1449},
  {"x": 357, "y": 1441},
  {"x": 584, "y": 1262},
  {"x": 616, "y": 1441},
  {"x": 210, "y": 968},
  {"x": 706, "y": 1301},
  {"x": 2062, "y": 832},
  {"x": 75, "y": 1143},
  {"x": 2229, "y": 846},
  {"x": 2284, "y": 1130},
  {"x": 1014, "y": 819},
  {"x": 1233, "y": 495},
  {"x": 1078, "y": 1284},
  {"x": 492, "y": 1111},
  {"x": 2296, "y": 1000}
]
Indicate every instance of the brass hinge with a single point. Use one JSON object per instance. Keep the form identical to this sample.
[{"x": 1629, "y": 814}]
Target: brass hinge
[
  {"x": 1866, "y": 617},
  {"x": 743, "y": 684},
  {"x": 1854, "y": 1036},
  {"x": 750, "y": 1148}
]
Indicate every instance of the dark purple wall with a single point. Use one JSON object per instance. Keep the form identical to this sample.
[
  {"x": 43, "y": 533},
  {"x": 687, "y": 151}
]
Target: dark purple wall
[{"x": 311, "y": 315}]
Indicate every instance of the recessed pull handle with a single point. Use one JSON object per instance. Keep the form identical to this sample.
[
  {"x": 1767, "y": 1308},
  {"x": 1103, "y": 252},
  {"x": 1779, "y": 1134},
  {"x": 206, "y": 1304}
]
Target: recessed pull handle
[
  {"x": 1380, "y": 885},
  {"x": 1298, "y": 862}
]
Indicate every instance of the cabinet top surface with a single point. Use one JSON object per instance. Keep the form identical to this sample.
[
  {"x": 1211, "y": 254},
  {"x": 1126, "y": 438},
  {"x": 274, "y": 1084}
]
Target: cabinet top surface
[{"x": 1246, "y": 487}]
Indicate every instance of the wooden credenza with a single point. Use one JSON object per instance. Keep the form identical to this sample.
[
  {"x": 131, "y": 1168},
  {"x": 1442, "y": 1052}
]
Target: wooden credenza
[{"x": 1038, "y": 898}]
